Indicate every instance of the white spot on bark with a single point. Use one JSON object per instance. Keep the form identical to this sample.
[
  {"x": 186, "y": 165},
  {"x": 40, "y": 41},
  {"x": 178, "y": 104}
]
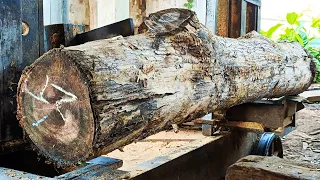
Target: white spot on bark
[{"x": 39, "y": 121}]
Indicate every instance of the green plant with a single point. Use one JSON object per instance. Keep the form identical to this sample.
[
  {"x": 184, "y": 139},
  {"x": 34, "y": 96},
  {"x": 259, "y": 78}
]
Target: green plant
[
  {"x": 189, "y": 4},
  {"x": 296, "y": 30}
]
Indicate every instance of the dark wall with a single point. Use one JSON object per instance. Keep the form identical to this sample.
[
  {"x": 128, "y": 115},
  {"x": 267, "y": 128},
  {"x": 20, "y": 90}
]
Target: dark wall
[{"x": 10, "y": 65}]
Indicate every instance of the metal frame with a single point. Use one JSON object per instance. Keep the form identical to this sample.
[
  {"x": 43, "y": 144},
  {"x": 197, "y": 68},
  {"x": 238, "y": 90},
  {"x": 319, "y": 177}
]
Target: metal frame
[{"x": 10, "y": 67}]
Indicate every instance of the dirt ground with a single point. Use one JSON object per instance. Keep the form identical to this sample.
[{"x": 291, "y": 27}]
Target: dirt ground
[{"x": 304, "y": 142}]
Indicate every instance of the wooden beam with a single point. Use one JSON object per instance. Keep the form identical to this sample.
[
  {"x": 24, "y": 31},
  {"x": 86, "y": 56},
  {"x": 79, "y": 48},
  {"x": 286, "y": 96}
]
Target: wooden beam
[
  {"x": 93, "y": 14},
  {"x": 272, "y": 168},
  {"x": 137, "y": 12},
  {"x": 223, "y": 12},
  {"x": 235, "y": 18}
]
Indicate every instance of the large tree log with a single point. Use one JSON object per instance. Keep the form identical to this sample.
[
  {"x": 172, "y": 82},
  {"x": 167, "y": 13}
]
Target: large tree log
[{"x": 79, "y": 102}]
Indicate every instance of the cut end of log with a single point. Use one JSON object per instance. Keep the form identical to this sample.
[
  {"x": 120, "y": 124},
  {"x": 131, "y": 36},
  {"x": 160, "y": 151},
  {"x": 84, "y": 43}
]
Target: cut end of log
[{"x": 54, "y": 109}]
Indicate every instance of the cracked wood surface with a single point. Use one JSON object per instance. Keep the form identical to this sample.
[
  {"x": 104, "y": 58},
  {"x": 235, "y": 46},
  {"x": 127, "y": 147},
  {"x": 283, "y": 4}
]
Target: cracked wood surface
[{"x": 105, "y": 94}]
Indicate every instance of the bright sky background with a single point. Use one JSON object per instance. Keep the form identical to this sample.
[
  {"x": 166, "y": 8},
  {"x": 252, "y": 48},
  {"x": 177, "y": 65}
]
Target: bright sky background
[{"x": 274, "y": 11}]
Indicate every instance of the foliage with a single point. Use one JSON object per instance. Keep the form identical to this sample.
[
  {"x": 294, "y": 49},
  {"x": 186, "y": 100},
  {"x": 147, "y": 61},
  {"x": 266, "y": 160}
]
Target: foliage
[
  {"x": 189, "y": 4},
  {"x": 296, "y": 30}
]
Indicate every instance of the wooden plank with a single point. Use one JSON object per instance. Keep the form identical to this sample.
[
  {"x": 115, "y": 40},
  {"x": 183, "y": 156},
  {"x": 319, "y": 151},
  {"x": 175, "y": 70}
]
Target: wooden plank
[
  {"x": 272, "y": 168},
  {"x": 137, "y": 12},
  {"x": 251, "y": 17},
  {"x": 250, "y": 126},
  {"x": 271, "y": 116},
  {"x": 235, "y": 19},
  {"x": 93, "y": 14},
  {"x": 223, "y": 18}
]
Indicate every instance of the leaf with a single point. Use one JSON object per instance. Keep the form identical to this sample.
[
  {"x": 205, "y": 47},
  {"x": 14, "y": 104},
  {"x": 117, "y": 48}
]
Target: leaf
[
  {"x": 304, "y": 37},
  {"x": 297, "y": 37},
  {"x": 273, "y": 29},
  {"x": 315, "y": 23},
  {"x": 289, "y": 32},
  {"x": 312, "y": 38},
  {"x": 292, "y": 18},
  {"x": 186, "y": 5},
  {"x": 263, "y": 32}
]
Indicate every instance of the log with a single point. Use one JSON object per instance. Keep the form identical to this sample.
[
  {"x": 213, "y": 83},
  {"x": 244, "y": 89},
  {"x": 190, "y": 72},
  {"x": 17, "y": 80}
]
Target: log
[
  {"x": 272, "y": 168},
  {"x": 80, "y": 102}
]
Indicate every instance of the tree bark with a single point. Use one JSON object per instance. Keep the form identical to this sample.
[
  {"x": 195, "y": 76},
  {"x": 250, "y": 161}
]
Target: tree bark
[{"x": 79, "y": 102}]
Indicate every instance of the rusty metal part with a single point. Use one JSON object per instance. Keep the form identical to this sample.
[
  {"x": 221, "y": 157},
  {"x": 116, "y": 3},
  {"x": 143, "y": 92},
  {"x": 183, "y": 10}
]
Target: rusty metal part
[
  {"x": 271, "y": 116},
  {"x": 222, "y": 20},
  {"x": 99, "y": 167},
  {"x": 61, "y": 34},
  {"x": 250, "y": 126},
  {"x": 208, "y": 129}
]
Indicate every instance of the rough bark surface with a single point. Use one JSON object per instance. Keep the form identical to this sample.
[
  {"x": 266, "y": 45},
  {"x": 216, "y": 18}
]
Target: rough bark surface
[
  {"x": 272, "y": 168},
  {"x": 83, "y": 101}
]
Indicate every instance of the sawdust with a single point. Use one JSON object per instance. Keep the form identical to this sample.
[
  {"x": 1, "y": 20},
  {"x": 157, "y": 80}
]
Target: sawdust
[
  {"x": 304, "y": 143},
  {"x": 156, "y": 145}
]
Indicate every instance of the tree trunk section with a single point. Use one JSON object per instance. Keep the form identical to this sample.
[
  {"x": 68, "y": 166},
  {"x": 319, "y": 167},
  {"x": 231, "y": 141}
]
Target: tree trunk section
[
  {"x": 272, "y": 168},
  {"x": 83, "y": 101}
]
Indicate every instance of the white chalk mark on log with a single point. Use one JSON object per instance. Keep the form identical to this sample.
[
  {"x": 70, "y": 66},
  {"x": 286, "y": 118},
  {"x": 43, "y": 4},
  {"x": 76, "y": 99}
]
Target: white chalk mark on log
[
  {"x": 58, "y": 106},
  {"x": 64, "y": 100},
  {"x": 45, "y": 86},
  {"x": 39, "y": 121},
  {"x": 40, "y": 97}
]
